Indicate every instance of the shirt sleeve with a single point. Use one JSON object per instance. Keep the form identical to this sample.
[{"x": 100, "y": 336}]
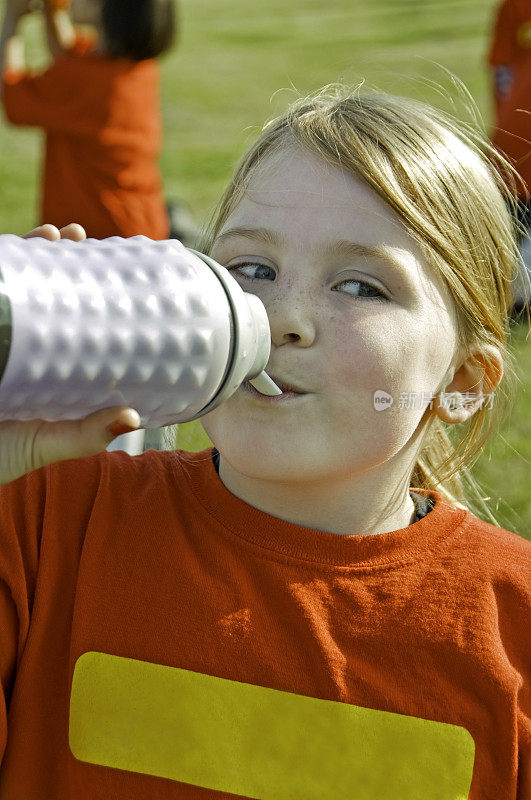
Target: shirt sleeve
[
  {"x": 8, "y": 656},
  {"x": 21, "y": 521},
  {"x": 52, "y": 99},
  {"x": 513, "y": 617},
  {"x": 524, "y": 764},
  {"x": 524, "y": 730}
]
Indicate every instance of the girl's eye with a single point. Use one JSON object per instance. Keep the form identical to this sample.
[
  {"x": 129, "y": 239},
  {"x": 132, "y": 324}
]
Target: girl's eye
[
  {"x": 253, "y": 271},
  {"x": 362, "y": 289}
]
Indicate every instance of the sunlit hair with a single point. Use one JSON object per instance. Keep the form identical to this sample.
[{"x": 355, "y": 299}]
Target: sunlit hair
[{"x": 453, "y": 193}]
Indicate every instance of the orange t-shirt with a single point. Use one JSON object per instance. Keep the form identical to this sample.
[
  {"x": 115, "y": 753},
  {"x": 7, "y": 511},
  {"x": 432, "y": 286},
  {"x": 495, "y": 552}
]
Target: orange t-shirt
[
  {"x": 160, "y": 638},
  {"x": 103, "y": 133},
  {"x": 511, "y": 47}
]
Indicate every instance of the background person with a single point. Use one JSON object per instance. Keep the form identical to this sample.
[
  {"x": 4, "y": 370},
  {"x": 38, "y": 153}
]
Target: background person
[
  {"x": 98, "y": 104},
  {"x": 510, "y": 60}
]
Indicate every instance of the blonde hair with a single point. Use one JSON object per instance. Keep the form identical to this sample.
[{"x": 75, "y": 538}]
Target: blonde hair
[{"x": 439, "y": 177}]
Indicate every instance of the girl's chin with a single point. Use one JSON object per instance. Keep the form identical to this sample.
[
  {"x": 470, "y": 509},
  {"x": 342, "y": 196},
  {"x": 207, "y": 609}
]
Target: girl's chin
[{"x": 262, "y": 461}]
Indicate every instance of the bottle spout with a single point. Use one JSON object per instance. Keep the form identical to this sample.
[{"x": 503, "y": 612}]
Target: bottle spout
[{"x": 265, "y": 385}]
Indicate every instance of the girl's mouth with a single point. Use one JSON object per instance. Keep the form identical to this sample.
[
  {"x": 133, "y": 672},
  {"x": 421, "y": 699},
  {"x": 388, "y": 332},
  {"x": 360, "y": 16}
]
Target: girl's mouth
[{"x": 287, "y": 395}]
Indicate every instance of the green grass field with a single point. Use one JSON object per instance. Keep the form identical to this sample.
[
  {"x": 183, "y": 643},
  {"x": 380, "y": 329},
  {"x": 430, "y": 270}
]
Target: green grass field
[{"x": 238, "y": 63}]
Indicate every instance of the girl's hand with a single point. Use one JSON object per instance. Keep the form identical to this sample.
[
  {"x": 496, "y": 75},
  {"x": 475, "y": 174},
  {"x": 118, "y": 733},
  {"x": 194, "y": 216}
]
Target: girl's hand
[
  {"x": 25, "y": 446},
  {"x": 71, "y": 231}
]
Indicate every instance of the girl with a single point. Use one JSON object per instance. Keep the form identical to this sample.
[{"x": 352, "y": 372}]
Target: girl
[
  {"x": 308, "y": 609},
  {"x": 98, "y": 104}
]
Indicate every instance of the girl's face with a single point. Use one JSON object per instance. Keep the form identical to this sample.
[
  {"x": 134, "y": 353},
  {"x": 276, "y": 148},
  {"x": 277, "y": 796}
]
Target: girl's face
[{"x": 360, "y": 326}]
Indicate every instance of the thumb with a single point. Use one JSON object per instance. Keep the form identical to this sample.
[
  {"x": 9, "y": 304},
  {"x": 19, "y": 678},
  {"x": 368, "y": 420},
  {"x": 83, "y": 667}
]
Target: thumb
[{"x": 58, "y": 441}]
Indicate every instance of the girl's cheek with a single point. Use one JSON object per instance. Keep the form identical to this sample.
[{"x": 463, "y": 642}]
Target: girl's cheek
[
  {"x": 373, "y": 359},
  {"x": 358, "y": 352}
]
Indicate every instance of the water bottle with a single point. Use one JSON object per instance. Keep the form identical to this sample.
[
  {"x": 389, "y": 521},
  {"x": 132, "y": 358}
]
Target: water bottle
[{"x": 135, "y": 322}]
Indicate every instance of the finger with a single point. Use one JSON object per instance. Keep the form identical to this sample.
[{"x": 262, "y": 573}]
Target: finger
[
  {"x": 44, "y": 232},
  {"x": 109, "y": 423},
  {"x": 59, "y": 441},
  {"x": 73, "y": 231}
]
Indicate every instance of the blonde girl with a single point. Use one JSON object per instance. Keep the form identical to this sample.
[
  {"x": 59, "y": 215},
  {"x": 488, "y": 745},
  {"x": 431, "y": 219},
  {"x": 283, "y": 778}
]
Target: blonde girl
[{"x": 309, "y": 608}]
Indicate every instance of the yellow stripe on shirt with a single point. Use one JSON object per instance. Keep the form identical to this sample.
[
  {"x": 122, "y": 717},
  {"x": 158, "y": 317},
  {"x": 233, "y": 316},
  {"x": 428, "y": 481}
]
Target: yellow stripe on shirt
[{"x": 257, "y": 742}]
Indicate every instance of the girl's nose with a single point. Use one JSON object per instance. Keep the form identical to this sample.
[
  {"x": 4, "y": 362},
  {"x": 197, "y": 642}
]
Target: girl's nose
[{"x": 291, "y": 322}]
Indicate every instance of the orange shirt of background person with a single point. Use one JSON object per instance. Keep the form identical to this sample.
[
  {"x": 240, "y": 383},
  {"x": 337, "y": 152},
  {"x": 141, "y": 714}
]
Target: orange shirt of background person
[
  {"x": 101, "y": 116},
  {"x": 510, "y": 57}
]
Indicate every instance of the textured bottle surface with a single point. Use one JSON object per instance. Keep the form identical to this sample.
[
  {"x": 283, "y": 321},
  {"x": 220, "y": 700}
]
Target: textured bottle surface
[{"x": 113, "y": 322}]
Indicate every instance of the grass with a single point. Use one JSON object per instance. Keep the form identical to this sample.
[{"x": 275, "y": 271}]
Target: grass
[
  {"x": 237, "y": 64},
  {"x": 504, "y": 469}
]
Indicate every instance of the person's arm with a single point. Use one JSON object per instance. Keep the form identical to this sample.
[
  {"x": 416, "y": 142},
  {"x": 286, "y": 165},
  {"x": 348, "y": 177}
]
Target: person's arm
[
  {"x": 40, "y": 99},
  {"x": 26, "y": 446},
  {"x": 60, "y": 32},
  {"x": 53, "y": 99},
  {"x": 11, "y": 44}
]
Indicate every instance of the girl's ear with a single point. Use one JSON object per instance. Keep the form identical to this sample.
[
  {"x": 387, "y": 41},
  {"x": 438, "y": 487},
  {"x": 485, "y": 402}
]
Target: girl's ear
[{"x": 477, "y": 376}]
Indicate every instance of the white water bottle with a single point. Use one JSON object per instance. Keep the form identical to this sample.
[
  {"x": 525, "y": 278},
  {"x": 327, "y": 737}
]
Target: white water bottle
[{"x": 135, "y": 322}]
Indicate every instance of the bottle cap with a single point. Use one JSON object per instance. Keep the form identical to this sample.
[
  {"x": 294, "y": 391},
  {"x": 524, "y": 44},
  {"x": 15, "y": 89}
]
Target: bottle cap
[{"x": 251, "y": 339}]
